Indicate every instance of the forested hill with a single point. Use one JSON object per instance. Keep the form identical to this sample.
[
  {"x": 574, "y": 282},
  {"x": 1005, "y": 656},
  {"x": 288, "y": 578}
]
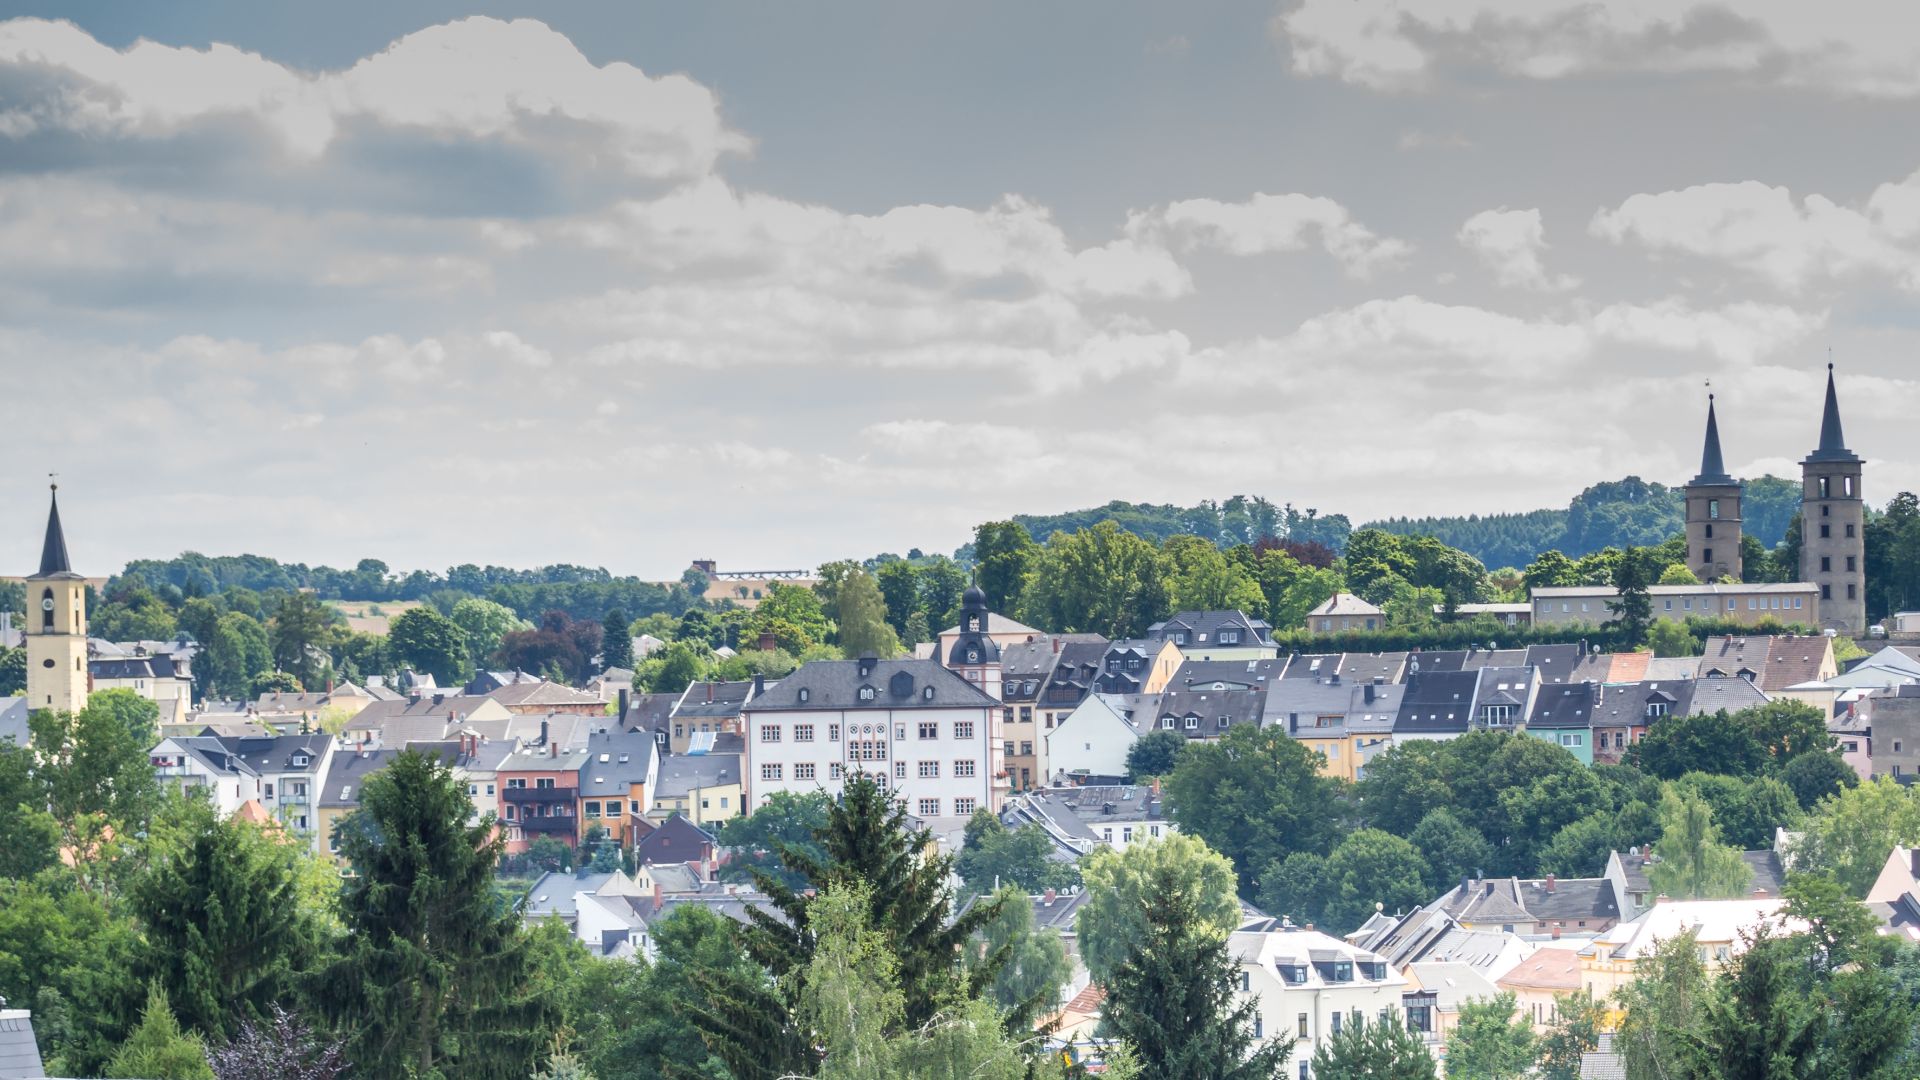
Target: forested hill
[{"x": 1616, "y": 513}]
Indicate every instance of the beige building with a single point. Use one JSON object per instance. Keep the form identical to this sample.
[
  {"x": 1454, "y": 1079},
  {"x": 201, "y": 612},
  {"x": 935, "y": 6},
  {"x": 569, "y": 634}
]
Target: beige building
[
  {"x": 1787, "y": 603},
  {"x": 1342, "y": 612},
  {"x": 1720, "y": 928},
  {"x": 56, "y": 626},
  {"x": 1713, "y": 512},
  {"x": 1833, "y": 549},
  {"x": 1538, "y": 982}
]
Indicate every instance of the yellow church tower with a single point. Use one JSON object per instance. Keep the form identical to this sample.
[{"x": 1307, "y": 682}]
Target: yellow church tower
[{"x": 56, "y": 629}]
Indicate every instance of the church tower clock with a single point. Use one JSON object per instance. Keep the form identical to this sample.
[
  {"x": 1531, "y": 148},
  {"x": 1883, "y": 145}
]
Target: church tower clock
[{"x": 56, "y": 629}]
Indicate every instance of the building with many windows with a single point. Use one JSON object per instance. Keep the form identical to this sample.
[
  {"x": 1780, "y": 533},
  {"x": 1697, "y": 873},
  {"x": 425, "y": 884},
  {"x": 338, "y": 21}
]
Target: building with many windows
[{"x": 1308, "y": 986}]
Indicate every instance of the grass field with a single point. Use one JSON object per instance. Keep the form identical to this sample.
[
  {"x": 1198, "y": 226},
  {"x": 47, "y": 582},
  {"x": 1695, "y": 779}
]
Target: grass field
[{"x": 369, "y": 617}]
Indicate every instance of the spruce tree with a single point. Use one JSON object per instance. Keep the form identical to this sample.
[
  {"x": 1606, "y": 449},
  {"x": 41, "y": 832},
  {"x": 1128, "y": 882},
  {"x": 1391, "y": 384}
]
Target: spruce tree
[
  {"x": 437, "y": 972},
  {"x": 158, "y": 1049},
  {"x": 1170, "y": 997},
  {"x": 224, "y": 933},
  {"x": 1382, "y": 1050},
  {"x": 616, "y": 646}
]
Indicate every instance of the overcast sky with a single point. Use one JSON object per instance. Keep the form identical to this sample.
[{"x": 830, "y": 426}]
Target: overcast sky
[{"x": 629, "y": 284}]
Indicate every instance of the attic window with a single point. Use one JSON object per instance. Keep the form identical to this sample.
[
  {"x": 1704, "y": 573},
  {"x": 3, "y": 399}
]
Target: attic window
[
  {"x": 299, "y": 761},
  {"x": 926, "y": 693},
  {"x": 805, "y": 693},
  {"x": 866, "y": 693}
]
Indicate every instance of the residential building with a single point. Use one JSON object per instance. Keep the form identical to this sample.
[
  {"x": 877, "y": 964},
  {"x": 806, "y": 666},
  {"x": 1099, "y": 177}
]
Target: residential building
[
  {"x": 291, "y": 769},
  {"x": 1092, "y": 741},
  {"x": 1024, "y": 670},
  {"x": 1503, "y": 697},
  {"x": 1538, "y": 982},
  {"x": 347, "y": 775},
  {"x": 1344, "y": 613},
  {"x": 1895, "y": 895},
  {"x": 597, "y": 908},
  {"x": 426, "y": 718},
  {"x": 540, "y": 795},
  {"x": 1315, "y": 711},
  {"x": 1833, "y": 552},
  {"x": 705, "y": 787},
  {"x": 207, "y": 763},
  {"x": 1436, "y": 705},
  {"x": 1530, "y": 907},
  {"x": 56, "y": 628},
  {"x": 1713, "y": 512},
  {"x": 931, "y": 735},
  {"x": 1307, "y": 986},
  {"x": 475, "y": 763},
  {"x": 1563, "y": 715},
  {"x": 1436, "y": 991},
  {"x": 1139, "y": 666},
  {"x": 1626, "y": 874},
  {"x": 1771, "y": 662},
  {"x": 1787, "y": 603},
  {"x": 651, "y": 713},
  {"x": 675, "y": 840},
  {"x": 620, "y": 770},
  {"x": 1208, "y": 713},
  {"x": 1721, "y": 929},
  {"x": 1369, "y": 724},
  {"x": 1217, "y": 635},
  {"x": 708, "y": 708},
  {"x": 312, "y": 711},
  {"x": 1509, "y": 615},
  {"x": 158, "y": 678},
  {"x": 1080, "y": 819},
  {"x": 1895, "y": 749},
  {"x": 544, "y": 698}
]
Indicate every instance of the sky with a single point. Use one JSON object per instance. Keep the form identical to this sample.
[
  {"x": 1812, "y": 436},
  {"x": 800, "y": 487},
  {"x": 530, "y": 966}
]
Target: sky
[{"x": 629, "y": 284}]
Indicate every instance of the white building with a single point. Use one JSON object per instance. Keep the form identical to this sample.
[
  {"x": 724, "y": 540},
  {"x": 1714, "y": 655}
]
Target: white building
[
  {"x": 206, "y": 762},
  {"x": 929, "y": 735},
  {"x": 1093, "y": 740},
  {"x": 291, "y": 769},
  {"x": 1308, "y": 986}
]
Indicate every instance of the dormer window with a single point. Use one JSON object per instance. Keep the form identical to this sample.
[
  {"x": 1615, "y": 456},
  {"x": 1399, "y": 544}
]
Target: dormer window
[
  {"x": 926, "y": 693},
  {"x": 866, "y": 693},
  {"x": 805, "y": 694},
  {"x": 1229, "y": 637},
  {"x": 300, "y": 761}
]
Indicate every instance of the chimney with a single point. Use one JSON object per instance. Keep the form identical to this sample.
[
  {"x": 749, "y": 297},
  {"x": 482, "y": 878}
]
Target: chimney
[
  {"x": 439, "y": 699},
  {"x": 543, "y": 733},
  {"x": 767, "y": 642},
  {"x": 1333, "y": 679},
  {"x": 1056, "y": 646},
  {"x": 709, "y": 692},
  {"x": 759, "y": 684},
  {"x": 553, "y": 750},
  {"x": 1050, "y": 895},
  {"x": 1550, "y": 883},
  {"x": 1913, "y": 861},
  {"x": 1556, "y": 933},
  {"x": 1368, "y": 693}
]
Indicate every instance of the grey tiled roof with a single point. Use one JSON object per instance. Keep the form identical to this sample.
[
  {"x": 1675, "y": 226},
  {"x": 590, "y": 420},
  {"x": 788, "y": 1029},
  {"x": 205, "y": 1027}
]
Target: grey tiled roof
[
  {"x": 680, "y": 774},
  {"x": 1437, "y": 701},
  {"x": 19, "y": 1055},
  {"x": 1564, "y": 705},
  {"x": 13, "y": 720},
  {"x": 834, "y": 684},
  {"x": 348, "y": 775},
  {"x": 614, "y": 762}
]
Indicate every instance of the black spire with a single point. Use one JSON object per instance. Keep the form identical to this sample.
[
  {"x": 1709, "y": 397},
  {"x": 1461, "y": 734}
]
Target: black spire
[
  {"x": 1833, "y": 444},
  {"x": 53, "y": 554},
  {"x": 1713, "y": 471}
]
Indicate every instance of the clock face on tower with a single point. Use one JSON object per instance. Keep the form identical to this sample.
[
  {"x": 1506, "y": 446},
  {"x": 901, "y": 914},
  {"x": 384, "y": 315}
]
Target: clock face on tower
[{"x": 46, "y": 604}]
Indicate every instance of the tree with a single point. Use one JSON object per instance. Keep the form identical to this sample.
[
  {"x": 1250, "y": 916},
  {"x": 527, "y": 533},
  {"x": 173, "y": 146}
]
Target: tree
[
  {"x": 225, "y": 938},
  {"x": 1254, "y": 795},
  {"x": 1748, "y": 812},
  {"x": 1170, "y": 989},
  {"x": 616, "y": 644},
  {"x": 1452, "y": 850},
  {"x": 1663, "y": 1010},
  {"x": 13, "y": 672},
  {"x": 1632, "y": 607},
  {"x": 793, "y": 615},
  {"x": 549, "y": 855},
  {"x": 1763, "y": 1023},
  {"x": 1371, "y": 870},
  {"x": 917, "y": 629},
  {"x": 235, "y": 652},
  {"x": 1786, "y": 729},
  {"x": 282, "y": 1047},
  {"x": 631, "y": 1022},
  {"x": 301, "y": 632},
  {"x": 94, "y": 764},
  {"x": 784, "y": 820},
  {"x": 1101, "y": 580},
  {"x": 1120, "y": 885},
  {"x": 1201, "y": 578},
  {"x": 1373, "y": 1050},
  {"x": 1154, "y": 754},
  {"x": 1670, "y": 637},
  {"x": 1849, "y": 835},
  {"x": 1693, "y": 864},
  {"x": 428, "y": 641},
  {"x": 898, "y": 582},
  {"x": 486, "y": 624},
  {"x": 65, "y": 953},
  {"x": 995, "y": 855},
  {"x": 1677, "y": 574},
  {"x": 158, "y": 1049},
  {"x": 862, "y": 617},
  {"x": 1575, "y": 1031},
  {"x": 1035, "y": 965},
  {"x": 680, "y": 669},
  {"x": 1816, "y": 774},
  {"x": 435, "y": 974},
  {"x": 275, "y": 682},
  {"x": 1708, "y": 742},
  {"x": 1551, "y": 569},
  {"x": 1491, "y": 1041},
  {"x": 1002, "y": 554},
  {"x": 1295, "y": 888}
]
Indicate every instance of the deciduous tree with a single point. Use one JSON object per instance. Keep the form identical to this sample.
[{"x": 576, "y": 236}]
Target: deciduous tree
[
  {"x": 1254, "y": 795},
  {"x": 1491, "y": 1041},
  {"x": 1119, "y": 884}
]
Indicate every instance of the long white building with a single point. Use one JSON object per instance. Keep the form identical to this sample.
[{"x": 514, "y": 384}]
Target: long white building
[
  {"x": 1307, "y": 985},
  {"x": 930, "y": 735}
]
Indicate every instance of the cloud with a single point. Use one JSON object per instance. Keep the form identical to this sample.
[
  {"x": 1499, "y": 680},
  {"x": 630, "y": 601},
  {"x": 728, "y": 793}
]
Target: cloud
[
  {"x": 1844, "y": 47},
  {"x": 473, "y": 79},
  {"x": 1510, "y": 242},
  {"x": 1762, "y": 230},
  {"x": 1271, "y": 223}
]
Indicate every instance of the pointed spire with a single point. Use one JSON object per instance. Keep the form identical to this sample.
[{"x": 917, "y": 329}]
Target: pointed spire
[
  {"x": 1713, "y": 471},
  {"x": 53, "y": 554},
  {"x": 1833, "y": 443}
]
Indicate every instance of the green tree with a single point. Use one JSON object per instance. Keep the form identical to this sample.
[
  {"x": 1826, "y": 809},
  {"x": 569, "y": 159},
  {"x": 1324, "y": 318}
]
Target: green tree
[
  {"x": 1786, "y": 729},
  {"x": 1254, "y": 795},
  {"x": 1034, "y": 964},
  {"x": 1551, "y": 569},
  {"x": 616, "y": 643},
  {"x": 158, "y": 1049},
  {"x": 301, "y": 632},
  {"x": 941, "y": 583},
  {"x": 1670, "y": 637},
  {"x": 1370, "y": 870},
  {"x": 275, "y": 682},
  {"x": 1748, "y": 811},
  {"x": 898, "y": 582},
  {"x": 1292, "y": 588},
  {"x": 631, "y": 1023},
  {"x": 1295, "y": 887},
  {"x": 435, "y": 974},
  {"x": 1632, "y": 607},
  {"x": 1101, "y": 580},
  {"x": 680, "y": 669},
  {"x": 1200, "y": 578},
  {"x": 862, "y": 616},
  {"x": 1575, "y": 1031},
  {"x": 1003, "y": 552},
  {"x": 1170, "y": 990},
  {"x": 1375, "y": 561},
  {"x": 1816, "y": 774},
  {"x": 1373, "y": 1050},
  {"x": 1452, "y": 850},
  {"x": 65, "y": 952},
  {"x": 237, "y": 651},
  {"x": 428, "y": 641},
  {"x": 784, "y": 820},
  {"x": 1112, "y": 922},
  {"x": 225, "y": 938},
  {"x": 995, "y": 855},
  {"x": 1663, "y": 1011},
  {"x": 13, "y": 672},
  {"x": 94, "y": 763},
  {"x": 917, "y": 629},
  {"x": 1491, "y": 1041},
  {"x": 1677, "y": 574},
  {"x": 793, "y": 615},
  {"x": 1849, "y": 835},
  {"x": 1154, "y": 754},
  {"x": 1708, "y": 742},
  {"x": 1694, "y": 864},
  {"x": 485, "y": 623}
]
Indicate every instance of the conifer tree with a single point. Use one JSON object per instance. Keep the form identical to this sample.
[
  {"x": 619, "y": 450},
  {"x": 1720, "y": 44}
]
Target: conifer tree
[
  {"x": 158, "y": 1049},
  {"x": 1381, "y": 1050},
  {"x": 436, "y": 975},
  {"x": 616, "y": 647},
  {"x": 224, "y": 933}
]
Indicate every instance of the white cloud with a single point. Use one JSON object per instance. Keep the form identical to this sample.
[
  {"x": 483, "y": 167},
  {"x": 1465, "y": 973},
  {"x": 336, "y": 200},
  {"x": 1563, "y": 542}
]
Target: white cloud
[
  {"x": 475, "y": 78},
  {"x": 1851, "y": 47},
  {"x": 1510, "y": 242},
  {"x": 1270, "y": 223},
  {"x": 1764, "y": 231}
]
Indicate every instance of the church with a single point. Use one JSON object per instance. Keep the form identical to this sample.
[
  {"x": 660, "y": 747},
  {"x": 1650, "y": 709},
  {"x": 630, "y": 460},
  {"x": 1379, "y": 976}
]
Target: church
[
  {"x": 1833, "y": 551},
  {"x": 56, "y": 628}
]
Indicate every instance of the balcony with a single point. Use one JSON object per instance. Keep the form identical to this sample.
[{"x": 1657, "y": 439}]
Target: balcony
[
  {"x": 553, "y": 796},
  {"x": 291, "y": 798},
  {"x": 566, "y": 825}
]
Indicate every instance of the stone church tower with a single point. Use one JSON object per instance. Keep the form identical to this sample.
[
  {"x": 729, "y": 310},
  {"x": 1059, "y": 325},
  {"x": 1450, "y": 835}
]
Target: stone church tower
[
  {"x": 56, "y": 629},
  {"x": 1713, "y": 512},
  {"x": 1833, "y": 546}
]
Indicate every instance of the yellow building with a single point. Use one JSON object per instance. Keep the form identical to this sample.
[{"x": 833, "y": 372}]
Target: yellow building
[
  {"x": 703, "y": 788},
  {"x": 56, "y": 627},
  {"x": 1720, "y": 927}
]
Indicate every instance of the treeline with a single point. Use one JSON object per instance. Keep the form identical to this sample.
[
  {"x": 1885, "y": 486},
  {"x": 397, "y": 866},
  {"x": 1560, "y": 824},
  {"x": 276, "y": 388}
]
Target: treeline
[{"x": 1239, "y": 520}]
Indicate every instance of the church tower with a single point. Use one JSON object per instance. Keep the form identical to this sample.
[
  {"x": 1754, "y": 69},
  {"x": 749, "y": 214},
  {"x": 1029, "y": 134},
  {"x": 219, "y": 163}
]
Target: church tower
[
  {"x": 1713, "y": 512},
  {"x": 975, "y": 655},
  {"x": 1833, "y": 552},
  {"x": 56, "y": 629}
]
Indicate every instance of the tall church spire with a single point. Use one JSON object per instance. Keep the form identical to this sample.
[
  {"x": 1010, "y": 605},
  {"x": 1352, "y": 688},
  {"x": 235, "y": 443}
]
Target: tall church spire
[
  {"x": 1712, "y": 469},
  {"x": 1833, "y": 443},
  {"x": 53, "y": 553}
]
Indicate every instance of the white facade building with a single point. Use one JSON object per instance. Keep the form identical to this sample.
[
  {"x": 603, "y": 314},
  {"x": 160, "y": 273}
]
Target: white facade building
[
  {"x": 931, "y": 736},
  {"x": 1307, "y": 986},
  {"x": 1093, "y": 739},
  {"x": 205, "y": 762}
]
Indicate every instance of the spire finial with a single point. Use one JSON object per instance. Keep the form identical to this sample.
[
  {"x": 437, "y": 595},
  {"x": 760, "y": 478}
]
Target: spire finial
[
  {"x": 1713, "y": 470},
  {"x": 1833, "y": 443},
  {"x": 53, "y": 552}
]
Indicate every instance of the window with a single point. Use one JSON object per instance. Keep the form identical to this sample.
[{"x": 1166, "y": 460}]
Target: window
[
  {"x": 489, "y": 789},
  {"x": 963, "y": 807},
  {"x": 836, "y": 771},
  {"x": 1849, "y": 532},
  {"x": 963, "y": 729},
  {"x": 833, "y": 732},
  {"x": 803, "y": 733},
  {"x": 1826, "y": 490},
  {"x": 1826, "y": 564},
  {"x": 1853, "y": 592},
  {"x": 1851, "y": 564},
  {"x": 1826, "y": 592},
  {"x": 544, "y": 783},
  {"x": 1706, "y": 555},
  {"x": 963, "y": 767},
  {"x": 769, "y": 732},
  {"x": 1826, "y": 530},
  {"x": 770, "y": 771},
  {"x": 1228, "y": 637},
  {"x": 805, "y": 695},
  {"x": 900, "y": 732},
  {"x": 1126, "y": 834},
  {"x": 593, "y": 808},
  {"x": 900, "y": 770},
  {"x": 1571, "y": 738},
  {"x": 929, "y": 770},
  {"x": 1193, "y": 722},
  {"x": 866, "y": 693},
  {"x": 1713, "y": 511},
  {"x": 929, "y": 729},
  {"x": 517, "y": 782},
  {"x": 1026, "y": 748},
  {"x": 803, "y": 770},
  {"x": 1258, "y": 1029},
  {"x": 929, "y": 808},
  {"x": 1336, "y": 1023},
  {"x": 1026, "y": 714}
]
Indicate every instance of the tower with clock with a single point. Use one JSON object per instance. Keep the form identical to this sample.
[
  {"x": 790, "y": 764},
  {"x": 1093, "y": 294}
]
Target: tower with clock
[{"x": 56, "y": 629}]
